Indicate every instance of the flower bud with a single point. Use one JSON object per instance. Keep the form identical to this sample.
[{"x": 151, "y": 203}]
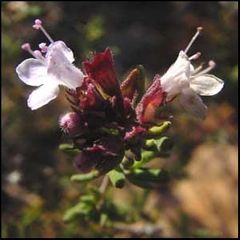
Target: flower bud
[{"x": 70, "y": 123}]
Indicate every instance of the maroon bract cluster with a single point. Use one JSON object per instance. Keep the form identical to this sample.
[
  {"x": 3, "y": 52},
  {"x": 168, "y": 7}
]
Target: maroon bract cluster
[{"x": 111, "y": 118}]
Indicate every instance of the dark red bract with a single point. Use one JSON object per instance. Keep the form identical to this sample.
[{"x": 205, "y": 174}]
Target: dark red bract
[
  {"x": 112, "y": 123},
  {"x": 151, "y": 101}
]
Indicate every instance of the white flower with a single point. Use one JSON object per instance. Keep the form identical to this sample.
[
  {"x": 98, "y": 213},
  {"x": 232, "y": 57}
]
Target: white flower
[
  {"x": 49, "y": 71},
  {"x": 184, "y": 81}
]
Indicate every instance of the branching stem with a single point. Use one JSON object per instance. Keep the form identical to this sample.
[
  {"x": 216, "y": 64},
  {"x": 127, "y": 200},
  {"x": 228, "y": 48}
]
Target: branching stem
[{"x": 104, "y": 184}]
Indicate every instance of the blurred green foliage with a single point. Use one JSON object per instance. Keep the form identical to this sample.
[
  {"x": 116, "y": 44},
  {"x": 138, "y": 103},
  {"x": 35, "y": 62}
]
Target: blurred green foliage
[
  {"x": 147, "y": 33},
  {"x": 94, "y": 29}
]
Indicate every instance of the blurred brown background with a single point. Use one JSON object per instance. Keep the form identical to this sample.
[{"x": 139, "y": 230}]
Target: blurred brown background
[{"x": 35, "y": 176}]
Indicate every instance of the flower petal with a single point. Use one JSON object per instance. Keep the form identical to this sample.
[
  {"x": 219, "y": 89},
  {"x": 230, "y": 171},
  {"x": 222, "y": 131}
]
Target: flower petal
[
  {"x": 193, "y": 103},
  {"x": 206, "y": 85},
  {"x": 61, "y": 47},
  {"x": 62, "y": 71},
  {"x": 42, "y": 95},
  {"x": 32, "y": 72},
  {"x": 177, "y": 76}
]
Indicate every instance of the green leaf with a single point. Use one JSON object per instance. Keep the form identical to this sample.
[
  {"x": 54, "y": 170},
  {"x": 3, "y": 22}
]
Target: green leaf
[
  {"x": 69, "y": 149},
  {"x": 148, "y": 178},
  {"x": 117, "y": 178},
  {"x": 127, "y": 162},
  {"x": 66, "y": 146},
  {"x": 146, "y": 156},
  {"x": 88, "y": 199},
  {"x": 156, "y": 131},
  {"x": 92, "y": 197},
  {"x": 81, "y": 209},
  {"x": 162, "y": 145},
  {"x": 110, "y": 131},
  {"x": 85, "y": 177}
]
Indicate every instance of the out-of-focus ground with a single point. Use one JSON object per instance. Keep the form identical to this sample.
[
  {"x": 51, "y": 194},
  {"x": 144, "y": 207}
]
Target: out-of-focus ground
[{"x": 36, "y": 189}]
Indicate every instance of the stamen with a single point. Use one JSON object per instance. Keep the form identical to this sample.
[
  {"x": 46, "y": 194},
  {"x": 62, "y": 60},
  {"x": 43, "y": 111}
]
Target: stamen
[
  {"x": 38, "y": 25},
  {"x": 43, "y": 47},
  {"x": 211, "y": 65},
  {"x": 195, "y": 56},
  {"x": 27, "y": 47},
  {"x": 38, "y": 55},
  {"x": 199, "y": 29},
  {"x": 198, "y": 69}
]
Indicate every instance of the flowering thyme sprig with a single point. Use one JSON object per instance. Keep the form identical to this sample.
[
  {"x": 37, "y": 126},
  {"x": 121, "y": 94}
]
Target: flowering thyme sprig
[{"x": 113, "y": 125}]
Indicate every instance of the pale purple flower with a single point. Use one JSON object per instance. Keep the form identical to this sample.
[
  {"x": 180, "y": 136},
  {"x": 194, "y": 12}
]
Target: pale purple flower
[
  {"x": 188, "y": 83},
  {"x": 50, "y": 67}
]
